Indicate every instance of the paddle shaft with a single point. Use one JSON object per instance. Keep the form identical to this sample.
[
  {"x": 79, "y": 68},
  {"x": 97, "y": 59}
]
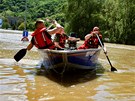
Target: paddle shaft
[
  {"x": 50, "y": 26},
  {"x": 104, "y": 50}
]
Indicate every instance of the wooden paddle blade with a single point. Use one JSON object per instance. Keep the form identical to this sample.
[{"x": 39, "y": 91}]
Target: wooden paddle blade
[
  {"x": 20, "y": 54},
  {"x": 113, "y": 69}
]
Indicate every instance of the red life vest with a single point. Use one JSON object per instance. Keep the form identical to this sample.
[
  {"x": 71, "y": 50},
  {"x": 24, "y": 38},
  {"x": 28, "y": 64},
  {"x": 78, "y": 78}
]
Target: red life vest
[
  {"x": 93, "y": 41},
  {"x": 42, "y": 39},
  {"x": 62, "y": 39}
]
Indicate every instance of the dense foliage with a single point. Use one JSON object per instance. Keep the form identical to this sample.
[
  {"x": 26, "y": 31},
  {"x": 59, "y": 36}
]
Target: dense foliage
[
  {"x": 13, "y": 12},
  {"x": 115, "y": 18}
]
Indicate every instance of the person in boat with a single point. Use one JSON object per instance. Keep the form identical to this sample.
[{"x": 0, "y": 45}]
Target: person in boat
[
  {"x": 60, "y": 39},
  {"x": 91, "y": 40},
  {"x": 41, "y": 37}
]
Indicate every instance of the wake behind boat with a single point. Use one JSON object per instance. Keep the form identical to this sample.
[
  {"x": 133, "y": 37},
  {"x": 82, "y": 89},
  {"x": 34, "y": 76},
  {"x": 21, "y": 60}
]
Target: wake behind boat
[{"x": 75, "y": 59}]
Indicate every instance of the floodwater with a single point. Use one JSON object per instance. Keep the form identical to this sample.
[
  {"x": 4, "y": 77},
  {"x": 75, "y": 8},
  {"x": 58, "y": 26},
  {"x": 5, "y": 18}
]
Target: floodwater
[{"x": 20, "y": 81}]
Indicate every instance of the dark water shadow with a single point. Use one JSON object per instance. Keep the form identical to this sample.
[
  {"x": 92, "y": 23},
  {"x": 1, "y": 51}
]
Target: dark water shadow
[{"x": 73, "y": 77}]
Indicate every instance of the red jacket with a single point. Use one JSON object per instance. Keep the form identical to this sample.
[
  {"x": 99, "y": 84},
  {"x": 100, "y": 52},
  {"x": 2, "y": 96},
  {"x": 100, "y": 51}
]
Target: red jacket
[
  {"x": 62, "y": 40},
  {"x": 42, "y": 39},
  {"x": 92, "y": 42}
]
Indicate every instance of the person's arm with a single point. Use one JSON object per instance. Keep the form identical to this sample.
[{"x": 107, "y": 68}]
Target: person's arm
[
  {"x": 57, "y": 45},
  {"x": 56, "y": 24},
  {"x": 54, "y": 30},
  {"x": 30, "y": 46},
  {"x": 73, "y": 39},
  {"x": 88, "y": 36},
  {"x": 57, "y": 29}
]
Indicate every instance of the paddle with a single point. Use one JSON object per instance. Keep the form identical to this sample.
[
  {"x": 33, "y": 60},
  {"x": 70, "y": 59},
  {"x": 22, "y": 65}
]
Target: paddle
[
  {"x": 112, "y": 68},
  {"x": 19, "y": 55}
]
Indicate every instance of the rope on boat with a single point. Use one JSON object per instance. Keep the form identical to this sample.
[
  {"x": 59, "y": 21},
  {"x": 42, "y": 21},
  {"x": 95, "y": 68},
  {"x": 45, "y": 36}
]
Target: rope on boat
[{"x": 53, "y": 67}]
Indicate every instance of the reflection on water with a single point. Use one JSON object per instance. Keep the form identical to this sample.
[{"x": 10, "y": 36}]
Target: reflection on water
[
  {"x": 69, "y": 78},
  {"x": 20, "y": 82}
]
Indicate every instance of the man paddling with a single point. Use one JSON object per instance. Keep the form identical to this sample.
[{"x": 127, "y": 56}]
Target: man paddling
[
  {"x": 91, "y": 40},
  {"x": 41, "y": 38}
]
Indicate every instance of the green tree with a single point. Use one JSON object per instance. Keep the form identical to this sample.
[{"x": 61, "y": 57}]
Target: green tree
[
  {"x": 82, "y": 16},
  {"x": 119, "y": 20},
  {"x": 35, "y": 9}
]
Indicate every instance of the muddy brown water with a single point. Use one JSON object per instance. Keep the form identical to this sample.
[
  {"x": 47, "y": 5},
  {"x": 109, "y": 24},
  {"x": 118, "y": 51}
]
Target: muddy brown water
[{"x": 20, "y": 81}]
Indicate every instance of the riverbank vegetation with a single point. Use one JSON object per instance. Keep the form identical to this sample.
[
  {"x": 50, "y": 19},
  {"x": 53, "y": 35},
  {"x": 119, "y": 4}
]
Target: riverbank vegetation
[{"x": 115, "y": 18}]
